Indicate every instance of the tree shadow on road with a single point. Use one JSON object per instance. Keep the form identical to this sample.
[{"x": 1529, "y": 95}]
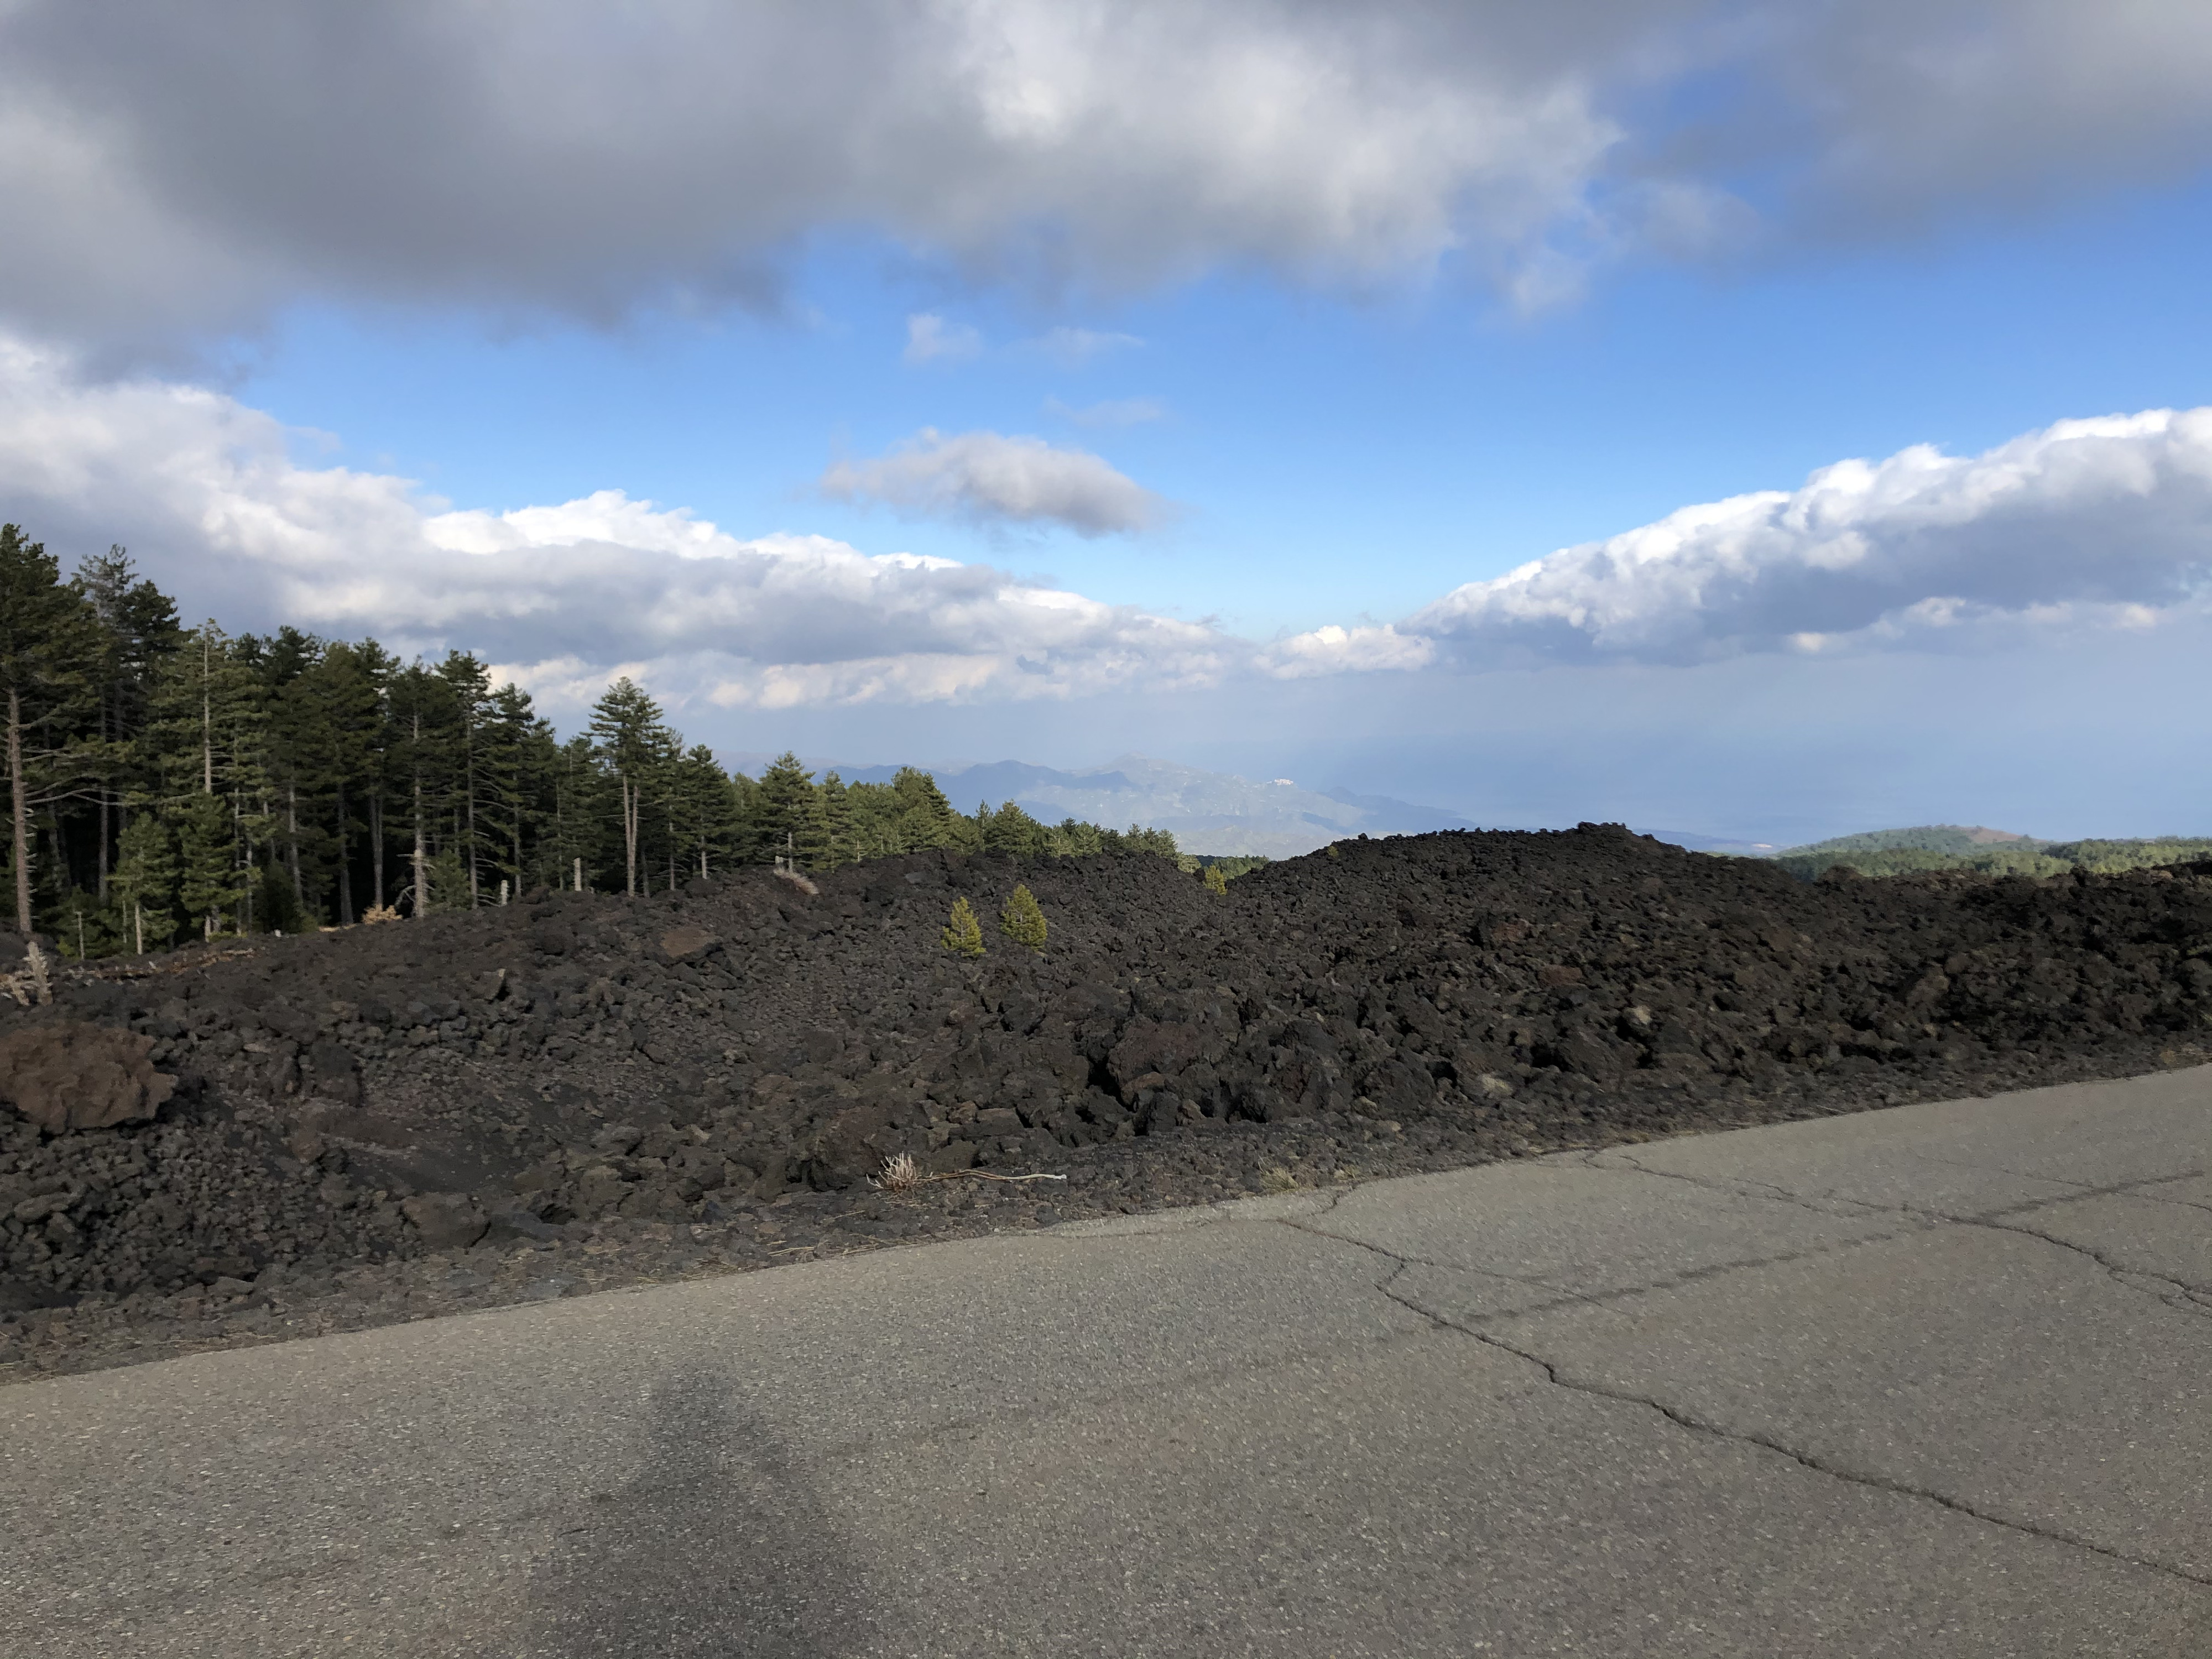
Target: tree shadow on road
[{"x": 718, "y": 1547}]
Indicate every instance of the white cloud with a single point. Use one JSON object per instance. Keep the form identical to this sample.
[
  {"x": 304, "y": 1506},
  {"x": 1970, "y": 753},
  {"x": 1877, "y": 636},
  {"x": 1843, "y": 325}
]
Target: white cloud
[
  {"x": 992, "y": 478},
  {"x": 2103, "y": 522},
  {"x": 169, "y": 171},
  {"x": 1335, "y": 650},
  {"x": 2087, "y": 530},
  {"x": 205, "y": 494},
  {"x": 931, "y": 339}
]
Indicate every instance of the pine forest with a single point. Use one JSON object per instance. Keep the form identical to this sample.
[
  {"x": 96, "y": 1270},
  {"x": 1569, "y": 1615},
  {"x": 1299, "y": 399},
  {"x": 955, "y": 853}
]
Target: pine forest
[{"x": 169, "y": 784}]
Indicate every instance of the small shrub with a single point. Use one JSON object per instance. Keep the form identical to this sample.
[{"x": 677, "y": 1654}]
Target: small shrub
[
  {"x": 1216, "y": 882},
  {"x": 965, "y": 934},
  {"x": 1022, "y": 921},
  {"x": 900, "y": 1174},
  {"x": 1332, "y": 852}
]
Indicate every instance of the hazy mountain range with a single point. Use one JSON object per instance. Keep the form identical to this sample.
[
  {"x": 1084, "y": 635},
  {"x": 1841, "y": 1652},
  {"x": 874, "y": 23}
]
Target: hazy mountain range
[
  {"x": 1206, "y": 811},
  {"x": 1217, "y": 812}
]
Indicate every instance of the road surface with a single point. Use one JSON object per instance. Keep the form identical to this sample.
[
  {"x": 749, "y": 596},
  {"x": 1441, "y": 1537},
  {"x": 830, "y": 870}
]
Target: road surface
[{"x": 1926, "y": 1382}]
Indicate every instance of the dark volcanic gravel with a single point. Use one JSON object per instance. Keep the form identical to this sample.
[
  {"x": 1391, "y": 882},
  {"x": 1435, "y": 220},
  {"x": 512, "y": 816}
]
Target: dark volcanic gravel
[{"x": 575, "y": 1093}]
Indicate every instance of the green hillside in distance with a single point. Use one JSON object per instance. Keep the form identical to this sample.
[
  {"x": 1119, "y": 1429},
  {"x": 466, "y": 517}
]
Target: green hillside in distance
[
  {"x": 1992, "y": 852},
  {"x": 1961, "y": 840}
]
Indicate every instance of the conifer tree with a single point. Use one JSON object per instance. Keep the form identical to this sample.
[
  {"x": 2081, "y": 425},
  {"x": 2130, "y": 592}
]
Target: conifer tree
[
  {"x": 925, "y": 818},
  {"x": 832, "y": 825},
  {"x": 1023, "y": 919},
  {"x": 138, "y": 629},
  {"x": 784, "y": 811},
  {"x": 49, "y": 658},
  {"x": 1216, "y": 882},
  {"x": 963, "y": 935},
  {"x": 210, "y": 880},
  {"x": 144, "y": 884},
  {"x": 338, "y": 714},
  {"x": 634, "y": 743}
]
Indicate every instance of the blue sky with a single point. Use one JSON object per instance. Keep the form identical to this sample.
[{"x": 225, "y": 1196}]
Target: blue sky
[
  {"x": 1334, "y": 457},
  {"x": 1221, "y": 367}
]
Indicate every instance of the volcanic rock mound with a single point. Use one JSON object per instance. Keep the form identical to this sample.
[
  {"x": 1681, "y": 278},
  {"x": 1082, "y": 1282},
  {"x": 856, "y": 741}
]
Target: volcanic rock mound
[{"x": 574, "y": 1062}]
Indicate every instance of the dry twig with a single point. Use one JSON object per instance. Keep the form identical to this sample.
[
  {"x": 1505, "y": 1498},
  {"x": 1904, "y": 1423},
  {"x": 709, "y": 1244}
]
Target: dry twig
[{"x": 901, "y": 1174}]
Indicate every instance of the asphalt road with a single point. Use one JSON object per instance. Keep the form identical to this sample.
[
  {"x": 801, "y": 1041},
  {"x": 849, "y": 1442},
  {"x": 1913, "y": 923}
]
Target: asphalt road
[{"x": 1930, "y": 1381}]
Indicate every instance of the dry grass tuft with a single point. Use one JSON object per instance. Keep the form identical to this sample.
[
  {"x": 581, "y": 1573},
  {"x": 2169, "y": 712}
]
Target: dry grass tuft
[
  {"x": 900, "y": 1174},
  {"x": 1279, "y": 1180}
]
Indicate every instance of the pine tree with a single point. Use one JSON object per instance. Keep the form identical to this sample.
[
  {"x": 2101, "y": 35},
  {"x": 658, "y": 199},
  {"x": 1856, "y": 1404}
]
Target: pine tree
[
  {"x": 832, "y": 825},
  {"x": 210, "y": 881},
  {"x": 50, "y": 653},
  {"x": 1023, "y": 920},
  {"x": 634, "y": 743},
  {"x": 338, "y": 720},
  {"x": 784, "y": 811},
  {"x": 469, "y": 684},
  {"x": 1012, "y": 831},
  {"x": 1216, "y": 882},
  {"x": 139, "y": 630},
  {"x": 964, "y": 935},
  {"x": 421, "y": 705},
  {"x": 144, "y": 884}
]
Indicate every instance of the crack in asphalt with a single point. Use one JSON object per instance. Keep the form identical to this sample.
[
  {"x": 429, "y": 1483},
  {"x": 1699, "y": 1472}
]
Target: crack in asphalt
[
  {"x": 1682, "y": 1420},
  {"x": 1991, "y": 1221},
  {"x": 1563, "y": 1296}
]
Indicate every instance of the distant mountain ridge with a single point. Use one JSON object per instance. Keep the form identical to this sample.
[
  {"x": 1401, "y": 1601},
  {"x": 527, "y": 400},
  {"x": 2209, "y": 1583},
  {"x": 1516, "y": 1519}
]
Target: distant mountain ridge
[{"x": 1207, "y": 812}]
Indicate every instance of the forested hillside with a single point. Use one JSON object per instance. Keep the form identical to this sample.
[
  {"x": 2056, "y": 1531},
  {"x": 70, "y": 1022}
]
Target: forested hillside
[
  {"x": 1961, "y": 841},
  {"x": 168, "y": 783},
  {"x": 2020, "y": 857}
]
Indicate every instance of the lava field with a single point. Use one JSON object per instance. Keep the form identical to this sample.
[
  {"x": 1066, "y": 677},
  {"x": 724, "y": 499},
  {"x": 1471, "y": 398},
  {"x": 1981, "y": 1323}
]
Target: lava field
[{"x": 276, "y": 1137}]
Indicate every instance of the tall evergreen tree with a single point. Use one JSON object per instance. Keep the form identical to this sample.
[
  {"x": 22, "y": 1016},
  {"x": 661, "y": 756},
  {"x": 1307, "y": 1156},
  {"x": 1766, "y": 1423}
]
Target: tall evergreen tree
[
  {"x": 50, "y": 653},
  {"x": 139, "y": 630},
  {"x": 635, "y": 744},
  {"x": 784, "y": 817},
  {"x": 145, "y": 881},
  {"x": 210, "y": 879}
]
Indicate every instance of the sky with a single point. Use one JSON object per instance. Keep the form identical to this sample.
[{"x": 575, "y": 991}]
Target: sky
[{"x": 1753, "y": 419}]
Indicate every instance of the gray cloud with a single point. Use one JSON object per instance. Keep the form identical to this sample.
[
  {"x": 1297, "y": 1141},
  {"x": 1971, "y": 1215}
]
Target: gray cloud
[
  {"x": 169, "y": 171},
  {"x": 995, "y": 479}
]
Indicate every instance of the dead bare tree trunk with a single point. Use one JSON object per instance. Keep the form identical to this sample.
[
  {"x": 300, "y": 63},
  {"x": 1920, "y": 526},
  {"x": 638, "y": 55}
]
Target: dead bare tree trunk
[
  {"x": 630, "y": 798},
  {"x": 376, "y": 848},
  {"x": 292, "y": 834},
  {"x": 21, "y": 843},
  {"x": 345, "y": 861},
  {"x": 422, "y": 855}
]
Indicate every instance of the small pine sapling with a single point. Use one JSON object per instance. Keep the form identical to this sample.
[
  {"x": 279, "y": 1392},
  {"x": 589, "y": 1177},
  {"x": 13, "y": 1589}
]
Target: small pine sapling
[
  {"x": 1216, "y": 882},
  {"x": 965, "y": 934},
  {"x": 1022, "y": 921}
]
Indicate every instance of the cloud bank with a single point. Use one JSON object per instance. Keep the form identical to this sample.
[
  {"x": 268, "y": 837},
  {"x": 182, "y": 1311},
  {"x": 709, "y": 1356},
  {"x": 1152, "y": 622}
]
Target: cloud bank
[
  {"x": 2087, "y": 528},
  {"x": 168, "y": 172},
  {"x": 2102, "y": 520},
  {"x": 989, "y": 478},
  {"x": 205, "y": 493}
]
